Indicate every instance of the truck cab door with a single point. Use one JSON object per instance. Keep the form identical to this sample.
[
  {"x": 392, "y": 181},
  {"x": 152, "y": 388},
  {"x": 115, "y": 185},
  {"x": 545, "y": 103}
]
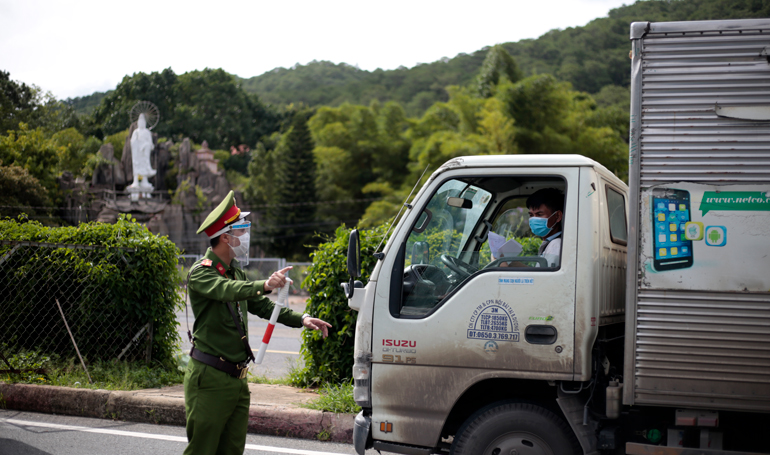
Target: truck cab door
[{"x": 459, "y": 311}]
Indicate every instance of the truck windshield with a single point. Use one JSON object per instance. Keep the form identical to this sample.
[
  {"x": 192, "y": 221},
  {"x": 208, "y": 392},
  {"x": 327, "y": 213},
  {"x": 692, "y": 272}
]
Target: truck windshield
[
  {"x": 450, "y": 218},
  {"x": 438, "y": 241}
]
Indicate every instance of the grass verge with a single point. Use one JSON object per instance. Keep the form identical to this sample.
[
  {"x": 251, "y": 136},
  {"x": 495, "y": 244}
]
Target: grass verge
[
  {"x": 262, "y": 379},
  {"x": 110, "y": 375},
  {"x": 294, "y": 365},
  {"x": 335, "y": 398}
]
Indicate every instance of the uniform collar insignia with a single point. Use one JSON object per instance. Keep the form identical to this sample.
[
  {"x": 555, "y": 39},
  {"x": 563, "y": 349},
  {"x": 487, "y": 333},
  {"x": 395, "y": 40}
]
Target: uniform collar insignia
[{"x": 215, "y": 261}]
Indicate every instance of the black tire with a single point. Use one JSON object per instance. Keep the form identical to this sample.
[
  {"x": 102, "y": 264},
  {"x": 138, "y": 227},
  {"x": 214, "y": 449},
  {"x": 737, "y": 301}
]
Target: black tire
[{"x": 515, "y": 428}]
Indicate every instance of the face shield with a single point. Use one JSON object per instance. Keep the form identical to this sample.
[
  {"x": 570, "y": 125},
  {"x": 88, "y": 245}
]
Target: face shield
[{"x": 241, "y": 233}]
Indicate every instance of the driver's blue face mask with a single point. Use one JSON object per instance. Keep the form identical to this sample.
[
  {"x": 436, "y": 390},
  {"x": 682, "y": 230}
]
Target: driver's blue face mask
[{"x": 539, "y": 226}]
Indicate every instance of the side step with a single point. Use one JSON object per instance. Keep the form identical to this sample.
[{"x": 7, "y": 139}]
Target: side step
[{"x": 401, "y": 448}]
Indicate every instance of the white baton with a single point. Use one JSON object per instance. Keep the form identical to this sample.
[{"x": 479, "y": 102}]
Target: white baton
[{"x": 283, "y": 301}]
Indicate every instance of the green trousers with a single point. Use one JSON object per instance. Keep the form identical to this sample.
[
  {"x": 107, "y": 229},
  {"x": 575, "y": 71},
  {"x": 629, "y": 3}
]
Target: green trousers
[{"x": 217, "y": 409}]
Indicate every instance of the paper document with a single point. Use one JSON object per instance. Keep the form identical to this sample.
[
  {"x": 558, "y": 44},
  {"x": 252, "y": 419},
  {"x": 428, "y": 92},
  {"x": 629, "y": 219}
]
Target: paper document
[{"x": 502, "y": 248}]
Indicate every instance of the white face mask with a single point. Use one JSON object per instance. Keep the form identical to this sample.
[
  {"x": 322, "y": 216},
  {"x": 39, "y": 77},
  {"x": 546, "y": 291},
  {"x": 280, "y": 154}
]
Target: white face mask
[{"x": 240, "y": 244}]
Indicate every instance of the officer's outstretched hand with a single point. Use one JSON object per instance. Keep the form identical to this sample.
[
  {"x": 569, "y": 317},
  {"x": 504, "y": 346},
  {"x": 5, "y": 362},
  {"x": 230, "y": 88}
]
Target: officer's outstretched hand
[
  {"x": 277, "y": 279},
  {"x": 317, "y": 324}
]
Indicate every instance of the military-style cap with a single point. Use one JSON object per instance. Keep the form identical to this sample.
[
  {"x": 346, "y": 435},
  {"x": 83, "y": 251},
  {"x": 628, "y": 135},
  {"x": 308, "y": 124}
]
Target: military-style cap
[{"x": 222, "y": 217}]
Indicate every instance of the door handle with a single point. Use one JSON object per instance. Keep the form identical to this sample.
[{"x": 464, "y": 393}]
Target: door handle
[{"x": 541, "y": 334}]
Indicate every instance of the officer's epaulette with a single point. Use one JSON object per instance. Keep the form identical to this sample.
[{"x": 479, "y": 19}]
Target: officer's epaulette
[{"x": 206, "y": 262}]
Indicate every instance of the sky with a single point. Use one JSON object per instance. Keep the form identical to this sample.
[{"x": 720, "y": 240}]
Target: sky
[{"x": 74, "y": 48}]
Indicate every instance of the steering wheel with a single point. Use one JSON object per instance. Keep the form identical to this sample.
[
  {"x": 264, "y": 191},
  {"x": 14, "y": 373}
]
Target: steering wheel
[{"x": 463, "y": 269}]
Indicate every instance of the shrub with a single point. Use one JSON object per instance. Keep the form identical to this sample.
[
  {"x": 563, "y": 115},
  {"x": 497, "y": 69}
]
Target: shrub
[
  {"x": 331, "y": 360},
  {"x": 112, "y": 278},
  {"x": 19, "y": 188}
]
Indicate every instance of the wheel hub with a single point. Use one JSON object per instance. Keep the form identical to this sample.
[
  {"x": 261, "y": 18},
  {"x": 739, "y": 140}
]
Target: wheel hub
[{"x": 518, "y": 443}]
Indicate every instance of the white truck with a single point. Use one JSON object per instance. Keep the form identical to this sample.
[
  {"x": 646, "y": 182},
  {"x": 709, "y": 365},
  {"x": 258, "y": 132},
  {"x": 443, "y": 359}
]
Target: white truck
[{"x": 649, "y": 332}]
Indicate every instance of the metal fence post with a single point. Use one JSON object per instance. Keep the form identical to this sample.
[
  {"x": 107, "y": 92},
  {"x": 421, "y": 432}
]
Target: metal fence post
[
  {"x": 73, "y": 341},
  {"x": 149, "y": 342}
]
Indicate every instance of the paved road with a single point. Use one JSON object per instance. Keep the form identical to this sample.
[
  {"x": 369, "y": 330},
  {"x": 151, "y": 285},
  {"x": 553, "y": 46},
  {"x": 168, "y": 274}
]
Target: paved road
[
  {"x": 25, "y": 433},
  {"x": 283, "y": 351}
]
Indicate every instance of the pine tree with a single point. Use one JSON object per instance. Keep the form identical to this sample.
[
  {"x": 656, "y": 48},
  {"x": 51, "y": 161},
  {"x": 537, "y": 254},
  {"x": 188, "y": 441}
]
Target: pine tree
[
  {"x": 497, "y": 64},
  {"x": 291, "y": 217}
]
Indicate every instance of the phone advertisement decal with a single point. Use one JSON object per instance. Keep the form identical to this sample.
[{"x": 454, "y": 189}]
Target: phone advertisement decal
[{"x": 706, "y": 237}]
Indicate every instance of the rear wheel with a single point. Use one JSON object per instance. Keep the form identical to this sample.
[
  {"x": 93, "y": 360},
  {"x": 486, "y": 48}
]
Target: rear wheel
[{"x": 515, "y": 429}]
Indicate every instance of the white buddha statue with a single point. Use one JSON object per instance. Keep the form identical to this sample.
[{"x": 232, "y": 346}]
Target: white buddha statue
[{"x": 141, "y": 147}]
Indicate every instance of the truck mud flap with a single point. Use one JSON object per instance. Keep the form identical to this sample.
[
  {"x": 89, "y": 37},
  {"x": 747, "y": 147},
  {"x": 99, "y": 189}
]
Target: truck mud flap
[
  {"x": 362, "y": 436},
  {"x": 633, "y": 448},
  {"x": 401, "y": 448},
  {"x": 572, "y": 407}
]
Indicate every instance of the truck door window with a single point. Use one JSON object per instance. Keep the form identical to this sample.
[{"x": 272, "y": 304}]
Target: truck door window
[
  {"x": 617, "y": 217},
  {"x": 450, "y": 241},
  {"x": 511, "y": 242}
]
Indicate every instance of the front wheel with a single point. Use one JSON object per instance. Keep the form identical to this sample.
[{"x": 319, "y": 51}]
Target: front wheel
[{"x": 515, "y": 429}]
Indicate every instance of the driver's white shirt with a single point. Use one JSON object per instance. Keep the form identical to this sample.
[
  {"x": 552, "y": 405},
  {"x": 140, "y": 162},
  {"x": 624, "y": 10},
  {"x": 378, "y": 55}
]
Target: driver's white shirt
[{"x": 552, "y": 252}]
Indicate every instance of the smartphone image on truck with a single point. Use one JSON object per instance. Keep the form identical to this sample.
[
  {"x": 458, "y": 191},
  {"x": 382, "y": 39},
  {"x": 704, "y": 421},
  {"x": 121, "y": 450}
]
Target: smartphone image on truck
[{"x": 670, "y": 213}]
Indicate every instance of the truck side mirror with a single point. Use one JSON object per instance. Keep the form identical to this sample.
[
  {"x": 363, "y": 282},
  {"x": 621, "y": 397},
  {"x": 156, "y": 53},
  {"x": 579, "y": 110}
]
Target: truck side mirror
[
  {"x": 354, "y": 255},
  {"x": 354, "y": 262}
]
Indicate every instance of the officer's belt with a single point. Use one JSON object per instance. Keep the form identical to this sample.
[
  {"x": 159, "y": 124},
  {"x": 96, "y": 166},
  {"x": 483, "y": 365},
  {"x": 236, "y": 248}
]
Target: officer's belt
[{"x": 236, "y": 370}]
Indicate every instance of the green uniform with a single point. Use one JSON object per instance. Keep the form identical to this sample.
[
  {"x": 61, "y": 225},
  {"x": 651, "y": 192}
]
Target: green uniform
[{"x": 217, "y": 404}]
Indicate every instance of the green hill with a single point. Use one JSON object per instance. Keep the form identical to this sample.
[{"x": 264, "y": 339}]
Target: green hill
[
  {"x": 325, "y": 83},
  {"x": 86, "y": 104},
  {"x": 590, "y": 57}
]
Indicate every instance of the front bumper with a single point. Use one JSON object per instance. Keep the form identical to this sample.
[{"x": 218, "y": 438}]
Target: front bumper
[{"x": 362, "y": 433}]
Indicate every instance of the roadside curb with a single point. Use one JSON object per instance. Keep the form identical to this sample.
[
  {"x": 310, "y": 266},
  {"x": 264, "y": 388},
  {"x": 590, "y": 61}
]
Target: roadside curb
[{"x": 134, "y": 406}]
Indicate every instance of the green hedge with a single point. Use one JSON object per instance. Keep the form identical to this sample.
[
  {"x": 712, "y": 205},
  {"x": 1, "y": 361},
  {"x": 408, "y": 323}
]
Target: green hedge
[
  {"x": 331, "y": 360},
  {"x": 118, "y": 278}
]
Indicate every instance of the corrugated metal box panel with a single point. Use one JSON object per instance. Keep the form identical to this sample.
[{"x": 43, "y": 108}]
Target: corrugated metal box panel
[
  {"x": 703, "y": 350},
  {"x": 684, "y": 77}
]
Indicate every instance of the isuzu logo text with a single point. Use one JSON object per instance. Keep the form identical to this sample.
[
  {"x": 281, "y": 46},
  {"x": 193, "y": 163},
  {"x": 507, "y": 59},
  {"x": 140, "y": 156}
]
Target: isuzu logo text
[{"x": 400, "y": 343}]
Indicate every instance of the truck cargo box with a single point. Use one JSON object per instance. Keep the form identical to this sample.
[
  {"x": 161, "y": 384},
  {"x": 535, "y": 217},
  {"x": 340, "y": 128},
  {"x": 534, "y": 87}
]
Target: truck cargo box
[{"x": 698, "y": 295}]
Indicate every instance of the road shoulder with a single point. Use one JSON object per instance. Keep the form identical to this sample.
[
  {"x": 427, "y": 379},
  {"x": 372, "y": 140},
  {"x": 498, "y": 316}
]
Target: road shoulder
[{"x": 274, "y": 408}]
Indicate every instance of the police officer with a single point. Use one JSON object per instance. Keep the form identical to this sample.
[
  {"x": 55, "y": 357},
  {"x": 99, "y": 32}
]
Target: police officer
[{"x": 215, "y": 387}]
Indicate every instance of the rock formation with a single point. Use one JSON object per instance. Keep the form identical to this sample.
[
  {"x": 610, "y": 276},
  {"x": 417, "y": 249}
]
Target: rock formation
[
  {"x": 109, "y": 174},
  {"x": 180, "y": 219},
  {"x": 177, "y": 217}
]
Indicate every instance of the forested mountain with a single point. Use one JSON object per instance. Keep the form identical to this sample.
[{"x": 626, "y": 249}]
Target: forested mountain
[
  {"x": 86, "y": 104},
  {"x": 324, "y": 83},
  {"x": 590, "y": 57},
  {"x": 202, "y": 105}
]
